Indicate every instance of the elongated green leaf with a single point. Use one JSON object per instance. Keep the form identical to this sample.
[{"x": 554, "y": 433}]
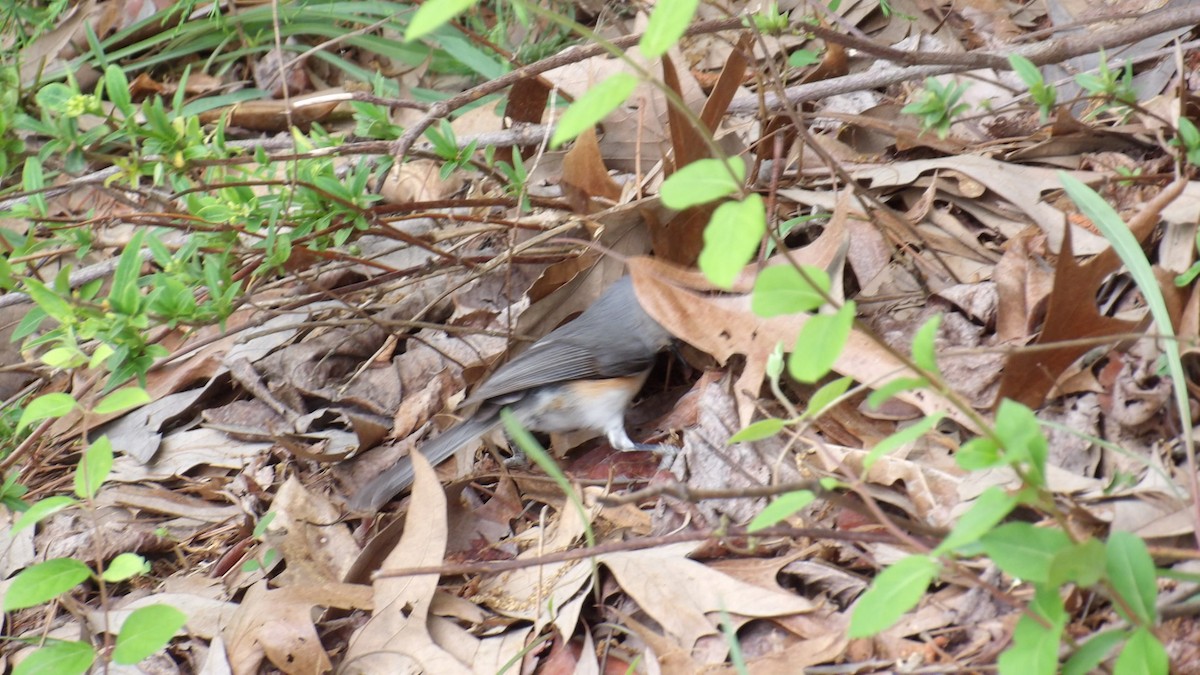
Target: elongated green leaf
[
  {"x": 893, "y": 592},
  {"x": 1143, "y": 655},
  {"x": 125, "y": 566},
  {"x": 43, "y": 509},
  {"x": 782, "y": 289},
  {"x": 784, "y": 507},
  {"x": 990, "y": 507},
  {"x": 1086, "y": 659},
  {"x": 1023, "y": 551},
  {"x": 592, "y": 107},
  {"x": 58, "y": 657},
  {"x": 731, "y": 239},
  {"x": 759, "y": 430},
  {"x": 667, "y": 23},
  {"x": 900, "y": 438},
  {"x": 122, "y": 399},
  {"x": 93, "y": 468},
  {"x": 924, "y": 349},
  {"x": 826, "y": 395},
  {"x": 44, "y": 582},
  {"x": 45, "y": 407},
  {"x": 124, "y": 296},
  {"x": 147, "y": 630},
  {"x": 703, "y": 181},
  {"x": 820, "y": 343},
  {"x": 432, "y": 14},
  {"x": 1131, "y": 572}
]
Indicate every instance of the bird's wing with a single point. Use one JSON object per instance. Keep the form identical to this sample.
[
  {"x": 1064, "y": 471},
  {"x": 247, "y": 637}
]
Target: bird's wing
[{"x": 545, "y": 363}]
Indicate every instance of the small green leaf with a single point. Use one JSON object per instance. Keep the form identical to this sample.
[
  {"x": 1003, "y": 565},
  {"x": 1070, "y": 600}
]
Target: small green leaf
[
  {"x": 118, "y": 90},
  {"x": 49, "y": 301},
  {"x": 46, "y": 407},
  {"x": 820, "y": 343},
  {"x": 826, "y": 395},
  {"x": 124, "y": 296},
  {"x": 731, "y": 239},
  {"x": 122, "y": 399},
  {"x": 803, "y": 57},
  {"x": 1023, "y": 551},
  {"x": 1131, "y": 572},
  {"x": 58, "y": 657},
  {"x": 893, "y": 387},
  {"x": 1082, "y": 564},
  {"x": 990, "y": 507},
  {"x": 432, "y": 14},
  {"x": 41, "y": 510},
  {"x": 1035, "y": 648},
  {"x": 668, "y": 21},
  {"x": 1143, "y": 655},
  {"x": 784, "y": 507},
  {"x": 1025, "y": 69},
  {"x": 893, "y": 592},
  {"x": 125, "y": 566},
  {"x": 145, "y": 631},
  {"x": 924, "y": 346},
  {"x": 782, "y": 289},
  {"x": 900, "y": 438},
  {"x": 1088, "y": 657},
  {"x": 93, "y": 468},
  {"x": 703, "y": 181},
  {"x": 593, "y": 106},
  {"x": 44, "y": 582},
  {"x": 759, "y": 430},
  {"x": 978, "y": 454}
]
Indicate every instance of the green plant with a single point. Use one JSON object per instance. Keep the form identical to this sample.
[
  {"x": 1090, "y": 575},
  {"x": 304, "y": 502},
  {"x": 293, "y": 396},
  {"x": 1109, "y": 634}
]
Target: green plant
[
  {"x": 938, "y": 105},
  {"x": 144, "y": 631},
  {"x": 1114, "y": 87},
  {"x": 1043, "y": 94}
]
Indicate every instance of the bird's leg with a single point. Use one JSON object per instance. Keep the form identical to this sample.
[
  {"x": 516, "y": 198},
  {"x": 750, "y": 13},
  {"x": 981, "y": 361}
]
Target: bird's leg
[{"x": 619, "y": 439}]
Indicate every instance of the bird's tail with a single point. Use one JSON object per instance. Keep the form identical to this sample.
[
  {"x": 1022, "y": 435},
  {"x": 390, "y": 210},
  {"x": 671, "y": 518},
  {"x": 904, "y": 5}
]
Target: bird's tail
[{"x": 400, "y": 475}]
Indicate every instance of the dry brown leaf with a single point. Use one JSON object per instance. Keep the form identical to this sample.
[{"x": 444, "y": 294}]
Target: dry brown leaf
[
  {"x": 397, "y": 636},
  {"x": 584, "y": 176}
]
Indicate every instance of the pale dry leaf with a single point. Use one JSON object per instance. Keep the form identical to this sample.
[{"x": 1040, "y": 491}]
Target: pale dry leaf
[
  {"x": 182, "y": 451},
  {"x": 277, "y": 625},
  {"x": 683, "y": 595},
  {"x": 396, "y": 638},
  {"x": 316, "y": 551}
]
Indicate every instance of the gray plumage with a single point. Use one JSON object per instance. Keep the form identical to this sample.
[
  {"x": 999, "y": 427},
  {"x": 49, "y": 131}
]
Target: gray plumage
[{"x": 613, "y": 338}]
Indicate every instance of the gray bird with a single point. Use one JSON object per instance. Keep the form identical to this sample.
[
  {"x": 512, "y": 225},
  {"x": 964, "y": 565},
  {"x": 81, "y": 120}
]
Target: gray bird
[{"x": 581, "y": 375}]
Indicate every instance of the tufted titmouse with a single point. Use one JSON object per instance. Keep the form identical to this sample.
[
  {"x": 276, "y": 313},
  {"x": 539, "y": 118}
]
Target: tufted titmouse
[{"x": 579, "y": 376}]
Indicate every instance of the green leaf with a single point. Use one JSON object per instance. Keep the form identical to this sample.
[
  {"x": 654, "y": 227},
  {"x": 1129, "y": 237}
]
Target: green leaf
[
  {"x": 1082, "y": 564},
  {"x": 668, "y": 21},
  {"x": 124, "y": 295},
  {"x": 49, "y": 301},
  {"x": 1023, "y": 551},
  {"x": 759, "y": 430},
  {"x": 33, "y": 179},
  {"x": 703, "y": 181},
  {"x": 1143, "y": 655},
  {"x": 893, "y": 387},
  {"x": 731, "y": 239},
  {"x": 93, "y": 468},
  {"x": 1088, "y": 657},
  {"x": 900, "y": 438},
  {"x": 1131, "y": 572},
  {"x": 820, "y": 343},
  {"x": 58, "y": 657},
  {"x": 1025, "y": 69},
  {"x": 924, "y": 346},
  {"x": 1035, "y": 648},
  {"x": 803, "y": 57},
  {"x": 978, "y": 454},
  {"x": 782, "y": 289},
  {"x": 44, "y": 582},
  {"x": 784, "y": 507},
  {"x": 118, "y": 90},
  {"x": 826, "y": 395},
  {"x": 145, "y": 631},
  {"x": 432, "y": 14},
  {"x": 593, "y": 106},
  {"x": 122, "y": 399},
  {"x": 125, "y": 566},
  {"x": 893, "y": 592},
  {"x": 990, "y": 507},
  {"x": 46, "y": 407},
  {"x": 1021, "y": 436},
  {"x": 41, "y": 510}
]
